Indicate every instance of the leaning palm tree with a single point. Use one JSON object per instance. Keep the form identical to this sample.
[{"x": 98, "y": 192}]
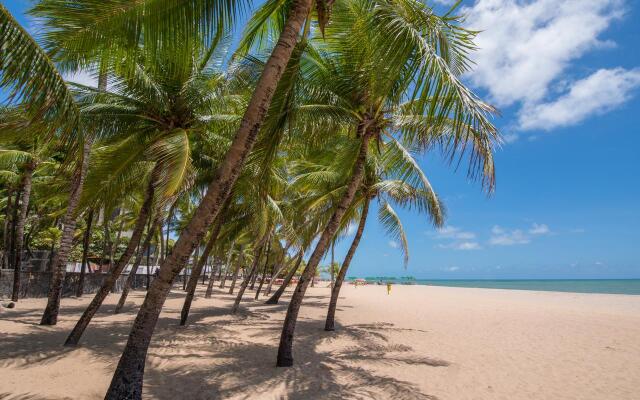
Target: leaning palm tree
[
  {"x": 409, "y": 65},
  {"x": 127, "y": 380},
  {"x": 157, "y": 109},
  {"x": 395, "y": 179},
  {"x": 34, "y": 80},
  {"x": 28, "y": 149}
]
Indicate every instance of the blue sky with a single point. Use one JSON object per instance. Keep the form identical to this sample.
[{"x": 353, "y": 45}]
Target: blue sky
[{"x": 566, "y": 77}]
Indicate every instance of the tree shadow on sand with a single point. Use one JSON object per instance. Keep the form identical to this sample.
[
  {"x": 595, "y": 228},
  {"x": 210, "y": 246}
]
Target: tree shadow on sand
[
  {"x": 220, "y": 355},
  {"x": 211, "y": 362}
]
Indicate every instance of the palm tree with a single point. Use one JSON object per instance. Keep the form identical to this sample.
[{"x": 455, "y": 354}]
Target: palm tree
[
  {"x": 370, "y": 77},
  {"x": 26, "y": 149},
  {"x": 393, "y": 177},
  {"x": 157, "y": 108},
  {"x": 145, "y": 248},
  {"x": 127, "y": 380}
]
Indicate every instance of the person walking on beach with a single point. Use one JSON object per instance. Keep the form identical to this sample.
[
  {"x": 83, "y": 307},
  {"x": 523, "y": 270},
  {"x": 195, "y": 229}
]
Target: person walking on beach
[{"x": 388, "y": 288}]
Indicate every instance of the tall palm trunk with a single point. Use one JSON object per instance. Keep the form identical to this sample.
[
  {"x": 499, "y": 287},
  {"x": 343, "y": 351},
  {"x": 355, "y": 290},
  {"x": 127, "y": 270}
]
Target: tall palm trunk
[
  {"x": 331, "y": 271},
  {"x": 236, "y": 271},
  {"x": 14, "y": 220},
  {"x": 114, "y": 273},
  {"x": 276, "y": 272},
  {"x": 245, "y": 282},
  {"x": 106, "y": 246},
  {"x": 184, "y": 270},
  {"x": 197, "y": 270},
  {"x": 253, "y": 280},
  {"x": 157, "y": 255},
  {"x": 8, "y": 227},
  {"x": 27, "y": 178},
  {"x": 59, "y": 262},
  {"x": 221, "y": 269},
  {"x": 255, "y": 276},
  {"x": 116, "y": 244},
  {"x": 278, "y": 293},
  {"x": 136, "y": 263},
  {"x": 128, "y": 377},
  {"x": 285, "y": 349},
  {"x": 262, "y": 278},
  {"x": 85, "y": 252},
  {"x": 227, "y": 269},
  {"x": 165, "y": 253},
  {"x": 335, "y": 292}
]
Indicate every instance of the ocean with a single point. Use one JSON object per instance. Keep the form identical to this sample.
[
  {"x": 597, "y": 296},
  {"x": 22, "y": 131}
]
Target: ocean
[{"x": 613, "y": 286}]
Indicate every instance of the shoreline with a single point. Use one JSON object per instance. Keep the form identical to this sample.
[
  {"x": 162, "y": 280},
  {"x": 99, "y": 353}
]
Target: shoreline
[
  {"x": 601, "y": 286},
  {"x": 419, "y": 342}
]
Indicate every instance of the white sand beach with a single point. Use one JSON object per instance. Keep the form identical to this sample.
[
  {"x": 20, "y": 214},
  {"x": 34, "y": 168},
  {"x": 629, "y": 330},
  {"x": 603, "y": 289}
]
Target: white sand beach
[{"x": 418, "y": 343}]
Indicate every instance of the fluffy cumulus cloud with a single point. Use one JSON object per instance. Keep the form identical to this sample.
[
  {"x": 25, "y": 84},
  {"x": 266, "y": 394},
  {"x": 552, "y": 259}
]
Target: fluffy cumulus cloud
[
  {"x": 509, "y": 237},
  {"x": 503, "y": 237},
  {"x": 457, "y": 239},
  {"x": 596, "y": 94},
  {"x": 526, "y": 48},
  {"x": 452, "y": 232},
  {"x": 539, "y": 229}
]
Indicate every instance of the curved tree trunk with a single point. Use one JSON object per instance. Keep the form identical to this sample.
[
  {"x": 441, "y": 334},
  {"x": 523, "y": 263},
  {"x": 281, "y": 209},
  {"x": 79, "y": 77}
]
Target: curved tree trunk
[
  {"x": 196, "y": 258},
  {"x": 7, "y": 231},
  {"x": 14, "y": 220},
  {"x": 285, "y": 349},
  {"x": 116, "y": 244},
  {"x": 223, "y": 268},
  {"x": 227, "y": 269},
  {"x": 197, "y": 270},
  {"x": 264, "y": 270},
  {"x": 59, "y": 262},
  {"x": 278, "y": 293},
  {"x": 273, "y": 277},
  {"x": 136, "y": 263},
  {"x": 165, "y": 254},
  {"x": 27, "y": 178},
  {"x": 85, "y": 252},
  {"x": 276, "y": 272},
  {"x": 236, "y": 272},
  {"x": 335, "y": 292},
  {"x": 114, "y": 273},
  {"x": 245, "y": 281},
  {"x": 128, "y": 377},
  {"x": 107, "y": 245},
  {"x": 264, "y": 275},
  {"x": 331, "y": 271}
]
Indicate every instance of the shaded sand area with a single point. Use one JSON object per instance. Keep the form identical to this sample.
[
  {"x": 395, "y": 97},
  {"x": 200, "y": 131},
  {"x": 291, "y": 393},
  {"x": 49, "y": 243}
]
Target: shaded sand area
[{"x": 418, "y": 343}]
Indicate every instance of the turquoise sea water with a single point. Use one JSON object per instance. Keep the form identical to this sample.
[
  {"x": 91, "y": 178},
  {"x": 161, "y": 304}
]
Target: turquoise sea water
[{"x": 614, "y": 286}]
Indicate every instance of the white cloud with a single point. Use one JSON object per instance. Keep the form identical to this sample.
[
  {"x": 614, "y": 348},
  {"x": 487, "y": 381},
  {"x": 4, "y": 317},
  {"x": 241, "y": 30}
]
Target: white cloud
[
  {"x": 452, "y": 232},
  {"x": 509, "y": 237},
  {"x": 459, "y": 239},
  {"x": 600, "y": 92},
  {"x": 394, "y": 244},
  {"x": 502, "y": 237},
  {"x": 461, "y": 246},
  {"x": 525, "y": 45},
  {"x": 539, "y": 229},
  {"x": 526, "y": 48},
  {"x": 468, "y": 246},
  {"x": 451, "y": 269}
]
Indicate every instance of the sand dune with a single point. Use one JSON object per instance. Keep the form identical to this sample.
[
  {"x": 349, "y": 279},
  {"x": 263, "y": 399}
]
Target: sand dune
[{"x": 417, "y": 343}]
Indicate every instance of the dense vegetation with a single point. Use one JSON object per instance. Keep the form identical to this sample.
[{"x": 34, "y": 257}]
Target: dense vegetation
[{"x": 257, "y": 156}]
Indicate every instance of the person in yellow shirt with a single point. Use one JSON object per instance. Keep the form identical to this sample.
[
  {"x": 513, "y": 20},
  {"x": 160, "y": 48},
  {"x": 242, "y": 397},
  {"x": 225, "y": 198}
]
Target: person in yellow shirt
[{"x": 388, "y": 288}]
